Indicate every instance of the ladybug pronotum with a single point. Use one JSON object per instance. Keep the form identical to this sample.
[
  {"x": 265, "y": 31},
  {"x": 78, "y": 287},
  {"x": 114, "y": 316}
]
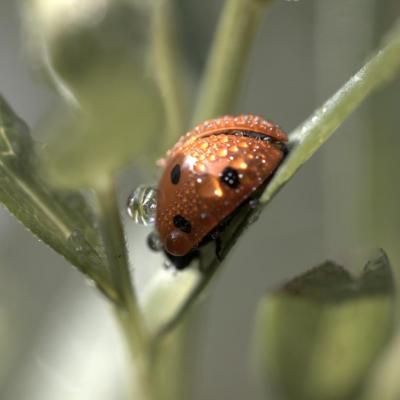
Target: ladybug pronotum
[{"x": 209, "y": 173}]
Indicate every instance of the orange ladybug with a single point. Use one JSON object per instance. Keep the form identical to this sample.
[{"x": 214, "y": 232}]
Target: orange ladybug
[{"x": 209, "y": 173}]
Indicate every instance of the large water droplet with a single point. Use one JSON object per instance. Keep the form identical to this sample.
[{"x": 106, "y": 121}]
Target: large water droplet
[
  {"x": 254, "y": 203},
  {"x": 142, "y": 205}
]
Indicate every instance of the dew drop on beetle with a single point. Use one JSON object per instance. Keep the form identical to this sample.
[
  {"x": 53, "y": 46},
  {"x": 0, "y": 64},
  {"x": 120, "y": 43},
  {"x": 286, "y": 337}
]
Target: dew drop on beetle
[
  {"x": 75, "y": 241},
  {"x": 154, "y": 242},
  {"x": 142, "y": 205}
]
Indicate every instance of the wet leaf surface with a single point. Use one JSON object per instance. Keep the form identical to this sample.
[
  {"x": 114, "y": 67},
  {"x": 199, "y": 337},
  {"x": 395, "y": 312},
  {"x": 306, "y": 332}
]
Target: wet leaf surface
[{"x": 63, "y": 220}]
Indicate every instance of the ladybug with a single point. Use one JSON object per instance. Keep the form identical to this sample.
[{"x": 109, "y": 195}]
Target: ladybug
[{"x": 210, "y": 172}]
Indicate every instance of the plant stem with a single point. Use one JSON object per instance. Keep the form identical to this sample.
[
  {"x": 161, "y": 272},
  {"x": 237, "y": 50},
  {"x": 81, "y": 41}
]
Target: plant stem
[
  {"x": 139, "y": 357},
  {"x": 228, "y": 56},
  {"x": 309, "y": 136},
  {"x": 305, "y": 141},
  {"x": 209, "y": 266},
  {"x": 127, "y": 310},
  {"x": 169, "y": 68},
  {"x": 114, "y": 242}
]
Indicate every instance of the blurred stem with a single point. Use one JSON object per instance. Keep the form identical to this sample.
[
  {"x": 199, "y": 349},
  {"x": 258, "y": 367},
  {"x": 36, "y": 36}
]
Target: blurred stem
[
  {"x": 139, "y": 357},
  {"x": 114, "y": 242},
  {"x": 169, "y": 68},
  {"x": 168, "y": 365},
  {"x": 127, "y": 309},
  {"x": 228, "y": 56}
]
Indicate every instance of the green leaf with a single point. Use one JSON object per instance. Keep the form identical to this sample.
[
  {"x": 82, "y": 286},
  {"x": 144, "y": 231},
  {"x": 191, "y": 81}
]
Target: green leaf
[
  {"x": 318, "y": 337},
  {"x": 63, "y": 220},
  {"x": 96, "y": 55}
]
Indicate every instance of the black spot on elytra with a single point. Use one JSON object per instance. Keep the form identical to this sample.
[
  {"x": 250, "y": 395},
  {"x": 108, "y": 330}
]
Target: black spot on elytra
[
  {"x": 230, "y": 177},
  {"x": 182, "y": 223},
  {"x": 176, "y": 174}
]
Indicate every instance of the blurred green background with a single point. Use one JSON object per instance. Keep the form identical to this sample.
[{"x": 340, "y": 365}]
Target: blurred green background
[{"x": 57, "y": 337}]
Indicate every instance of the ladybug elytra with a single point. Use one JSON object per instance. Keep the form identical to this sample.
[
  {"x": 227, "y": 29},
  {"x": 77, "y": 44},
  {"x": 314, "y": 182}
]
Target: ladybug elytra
[{"x": 209, "y": 173}]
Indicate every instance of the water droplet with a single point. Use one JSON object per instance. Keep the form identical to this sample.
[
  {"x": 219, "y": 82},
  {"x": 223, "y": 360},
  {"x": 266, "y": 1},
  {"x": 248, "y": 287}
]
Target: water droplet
[
  {"x": 154, "y": 242},
  {"x": 200, "y": 167},
  {"x": 168, "y": 265},
  {"x": 218, "y": 192},
  {"x": 204, "y": 215},
  {"x": 239, "y": 163},
  {"x": 76, "y": 240},
  {"x": 224, "y": 139},
  {"x": 83, "y": 251},
  {"x": 142, "y": 205},
  {"x": 233, "y": 149},
  {"x": 90, "y": 282},
  {"x": 253, "y": 203},
  {"x": 223, "y": 152},
  {"x": 210, "y": 187}
]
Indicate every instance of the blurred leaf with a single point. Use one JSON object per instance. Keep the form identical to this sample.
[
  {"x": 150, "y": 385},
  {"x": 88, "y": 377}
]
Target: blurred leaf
[
  {"x": 71, "y": 38},
  {"x": 117, "y": 124},
  {"x": 63, "y": 220},
  {"x": 384, "y": 383},
  {"x": 96, "y": 55},
  {"x": 318, "y": 336}
]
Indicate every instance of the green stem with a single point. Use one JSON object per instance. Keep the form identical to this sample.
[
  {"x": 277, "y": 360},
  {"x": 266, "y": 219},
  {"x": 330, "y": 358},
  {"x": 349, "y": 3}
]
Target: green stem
[
  {"x": 209, "y": 266},
  {"x": 169, "y": 68},
  {"x": 139, "y": 357},
  {"x": 305, "y": 141},
  {"x": 168, "y": 365},
  {"x": 228, "y": 57},
  {"x": 114, "y": 242},
  {"x": 127, "y": 309},
  {"x": 309, "y": 136}
]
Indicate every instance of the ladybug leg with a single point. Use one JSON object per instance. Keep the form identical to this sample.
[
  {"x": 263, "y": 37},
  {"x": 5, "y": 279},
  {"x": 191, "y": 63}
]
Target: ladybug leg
[
  {"x": 216, "y": 237},
  {"x": 218, "y": 248}
]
